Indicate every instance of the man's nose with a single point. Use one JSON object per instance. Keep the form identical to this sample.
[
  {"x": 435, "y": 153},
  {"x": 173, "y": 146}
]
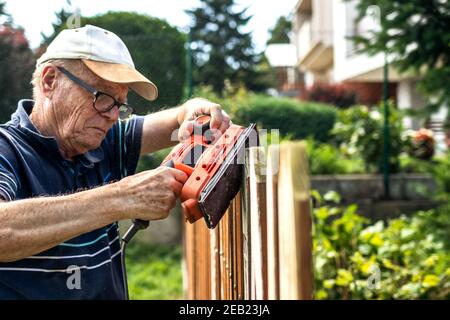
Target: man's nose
[{"x": 112, "y": 115}]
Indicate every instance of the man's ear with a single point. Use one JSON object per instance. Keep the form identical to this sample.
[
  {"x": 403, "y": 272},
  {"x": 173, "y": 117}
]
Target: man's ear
[{"x": 48, "y": 80}]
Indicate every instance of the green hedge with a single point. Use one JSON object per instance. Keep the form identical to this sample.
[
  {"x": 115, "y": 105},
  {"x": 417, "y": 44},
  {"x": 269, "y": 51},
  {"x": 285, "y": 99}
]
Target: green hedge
[
  {"x": 295, "y": 119},
  {"x": 324, "y": 158}
]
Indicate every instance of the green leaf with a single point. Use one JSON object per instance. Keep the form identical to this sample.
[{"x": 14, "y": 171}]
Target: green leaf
[
  {"x": 344, "y": 278},
  {"x": 329, "y": 283},
  {"x": 332, "y": 196},
  {"x": 430, "y": 280}
]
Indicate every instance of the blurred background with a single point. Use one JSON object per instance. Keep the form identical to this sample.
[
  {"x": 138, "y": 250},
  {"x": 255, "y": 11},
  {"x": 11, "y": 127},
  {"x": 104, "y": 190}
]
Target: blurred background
[{"x": 364, "y": 82}]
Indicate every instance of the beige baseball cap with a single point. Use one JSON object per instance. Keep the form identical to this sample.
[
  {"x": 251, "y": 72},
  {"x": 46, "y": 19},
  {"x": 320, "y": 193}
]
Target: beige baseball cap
[{"x": 104, "y": 53}]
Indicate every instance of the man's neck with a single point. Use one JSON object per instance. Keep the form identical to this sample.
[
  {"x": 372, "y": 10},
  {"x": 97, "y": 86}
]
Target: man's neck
[{"x": 43, "y": 125}]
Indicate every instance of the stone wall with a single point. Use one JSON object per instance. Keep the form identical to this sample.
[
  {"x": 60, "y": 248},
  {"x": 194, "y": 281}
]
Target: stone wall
[{"x": 409, "y": 192}]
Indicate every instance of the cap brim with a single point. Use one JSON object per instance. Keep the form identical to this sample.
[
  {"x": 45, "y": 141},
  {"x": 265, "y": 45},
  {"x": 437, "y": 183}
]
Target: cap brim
[{"x": 123, "y": 73}]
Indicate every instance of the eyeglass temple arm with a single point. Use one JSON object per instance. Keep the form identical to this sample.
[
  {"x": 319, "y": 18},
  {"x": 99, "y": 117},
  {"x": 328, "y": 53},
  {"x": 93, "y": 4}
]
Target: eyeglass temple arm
[{"x": 78, "y": 81}]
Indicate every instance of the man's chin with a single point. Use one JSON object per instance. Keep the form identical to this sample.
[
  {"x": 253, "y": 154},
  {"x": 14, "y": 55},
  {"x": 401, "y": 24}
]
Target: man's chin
[{"x": 92, "y": 144}]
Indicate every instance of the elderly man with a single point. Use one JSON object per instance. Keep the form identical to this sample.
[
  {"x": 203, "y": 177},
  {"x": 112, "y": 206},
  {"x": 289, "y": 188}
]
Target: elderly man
[{"x": 67, "y": 164}]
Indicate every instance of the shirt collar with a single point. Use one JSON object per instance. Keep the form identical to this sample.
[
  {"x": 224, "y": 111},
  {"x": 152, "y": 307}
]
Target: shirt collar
[{"x": 21, "y": 118}]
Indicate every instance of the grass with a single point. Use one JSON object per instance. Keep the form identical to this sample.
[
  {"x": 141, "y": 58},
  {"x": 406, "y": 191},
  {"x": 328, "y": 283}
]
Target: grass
[{"x": 154, "y": 272}]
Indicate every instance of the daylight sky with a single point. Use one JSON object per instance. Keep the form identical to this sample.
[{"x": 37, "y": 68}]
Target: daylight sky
[{"x": 37, "y": 16}]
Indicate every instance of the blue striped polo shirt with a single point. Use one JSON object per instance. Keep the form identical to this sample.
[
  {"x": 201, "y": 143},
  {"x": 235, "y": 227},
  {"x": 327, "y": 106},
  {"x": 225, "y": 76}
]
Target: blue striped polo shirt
[{"x": 32, "y": 166}]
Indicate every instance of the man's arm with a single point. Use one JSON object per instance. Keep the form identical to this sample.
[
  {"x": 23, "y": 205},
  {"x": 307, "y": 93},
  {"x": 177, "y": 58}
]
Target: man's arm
[
  {"x": 159, "y": 128},
  {"x": 34, "y": 225},
  {"x": 31, "y": 226}
]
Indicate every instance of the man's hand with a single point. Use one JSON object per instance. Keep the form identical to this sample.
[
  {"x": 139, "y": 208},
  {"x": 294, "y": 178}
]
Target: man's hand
[
  {"x": 191, "y": 109},
  {"x": 150, "y": 195}
]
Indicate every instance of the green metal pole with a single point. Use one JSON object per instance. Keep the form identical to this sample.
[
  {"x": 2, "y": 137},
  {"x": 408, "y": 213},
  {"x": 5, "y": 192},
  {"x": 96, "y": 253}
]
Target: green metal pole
[
  {"x": 386, "y": 133},
  {"x": 189, "y": 65}
]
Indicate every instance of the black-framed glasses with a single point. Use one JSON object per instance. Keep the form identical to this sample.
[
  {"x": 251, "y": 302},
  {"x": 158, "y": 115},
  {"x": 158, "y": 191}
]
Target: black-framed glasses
[{"x": 102, "y": 101}]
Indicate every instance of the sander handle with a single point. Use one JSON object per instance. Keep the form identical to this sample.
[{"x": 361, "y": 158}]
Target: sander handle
[{"x": 202, "y": 127}]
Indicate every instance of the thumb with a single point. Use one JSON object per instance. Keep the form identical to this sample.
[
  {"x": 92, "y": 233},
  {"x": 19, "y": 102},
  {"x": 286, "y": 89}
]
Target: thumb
[{"x": 186, "y": 129}]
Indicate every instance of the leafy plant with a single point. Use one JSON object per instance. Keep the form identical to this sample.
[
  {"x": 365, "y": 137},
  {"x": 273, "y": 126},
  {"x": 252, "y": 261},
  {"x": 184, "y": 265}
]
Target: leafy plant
[
  {"x": 403, "y": 259},
  {"x": 335, "y": 94},
  {"x": 324, "y": 158},
  {"x": 360, "y": 130}
]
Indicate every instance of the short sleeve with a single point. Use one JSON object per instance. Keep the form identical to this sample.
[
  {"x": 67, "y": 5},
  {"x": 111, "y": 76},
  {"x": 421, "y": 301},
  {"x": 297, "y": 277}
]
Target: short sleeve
[
  {"x": 125, "y": 140},
  {"x": 9, "y": 181}
]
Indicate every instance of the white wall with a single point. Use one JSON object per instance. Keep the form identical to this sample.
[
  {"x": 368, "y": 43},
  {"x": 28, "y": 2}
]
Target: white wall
[
  {"x": 349, "y": 66},
  {"x": 408, "y": 97}
]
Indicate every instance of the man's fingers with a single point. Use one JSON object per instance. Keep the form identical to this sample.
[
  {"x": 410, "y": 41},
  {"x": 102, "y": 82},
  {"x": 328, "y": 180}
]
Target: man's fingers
[
  {"x": 226, "y": 123},
  {"x": 186, "y": 130},
  {"x": 176, "y": 187},
  {"x": 179, "y": 175},
  {"x": 216, "y": 116}
]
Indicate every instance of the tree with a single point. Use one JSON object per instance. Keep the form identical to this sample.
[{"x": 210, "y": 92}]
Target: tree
[
  {"x": 60, "y": 24},
  {"x": 263, "y": 76},
  {"x": 280, "y": 32},
  {"x": 416, "y": 34},
  {"x": 221, "y": 50},
  {"x": 157, "y": 49},
  {"x": 2, "y": 9},
  {"x": 16, "y": 65}
]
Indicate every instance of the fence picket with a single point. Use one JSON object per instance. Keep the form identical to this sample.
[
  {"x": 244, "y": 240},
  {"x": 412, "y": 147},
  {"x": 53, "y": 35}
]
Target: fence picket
[{"x": 261, "y": 249}]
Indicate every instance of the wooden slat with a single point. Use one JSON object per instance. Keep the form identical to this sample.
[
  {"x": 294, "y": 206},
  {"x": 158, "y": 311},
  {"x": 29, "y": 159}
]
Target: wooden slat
[
  {"x": 258, "y": 221},
  {"x": 215, "y": 264},
  {"x": 230, "y": 252},
  {"x": 205, "y": 292},
  {"x": 186, "y": 267},
  {"x": 239, "y": 277},
  {"x": 223, "y": 286},
  {"x": 294, "y": 217},
  {"x": 246, "y": 240},
  {"x": 224, "y": 240},
  {"x": 189, "y": 258},
  {"x": 273, "y": 277}
]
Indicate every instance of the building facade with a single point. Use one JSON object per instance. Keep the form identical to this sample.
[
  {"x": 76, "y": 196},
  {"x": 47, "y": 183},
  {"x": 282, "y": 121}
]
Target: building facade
[{"x": 325, "y": 54}]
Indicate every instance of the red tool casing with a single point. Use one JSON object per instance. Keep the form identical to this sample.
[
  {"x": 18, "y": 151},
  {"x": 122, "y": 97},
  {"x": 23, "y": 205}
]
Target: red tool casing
[{"x": 200, "y": 160}]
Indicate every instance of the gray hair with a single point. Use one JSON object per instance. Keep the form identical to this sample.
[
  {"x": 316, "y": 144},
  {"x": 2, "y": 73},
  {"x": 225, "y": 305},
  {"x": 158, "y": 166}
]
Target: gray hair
[{"x": 75, "y": 66}]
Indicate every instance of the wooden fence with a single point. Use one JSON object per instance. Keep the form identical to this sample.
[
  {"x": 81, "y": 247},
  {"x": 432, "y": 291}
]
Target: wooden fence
[{"x": 262, "y": 247}]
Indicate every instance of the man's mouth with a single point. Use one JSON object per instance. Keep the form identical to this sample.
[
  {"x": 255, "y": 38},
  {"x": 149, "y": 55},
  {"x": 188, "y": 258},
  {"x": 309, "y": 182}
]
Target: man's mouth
[{"x": 99, "y": 129}]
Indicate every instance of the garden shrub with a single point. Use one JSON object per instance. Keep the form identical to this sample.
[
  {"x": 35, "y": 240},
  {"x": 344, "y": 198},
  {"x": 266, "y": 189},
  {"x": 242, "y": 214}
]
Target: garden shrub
[
  {"x": 293, "y": 118},
  {"x": 360, "y": 130},
  {"x": 325, "y": 158},
  {"x": 336, "y": 94},
  {"x": 403, "y": 259}
]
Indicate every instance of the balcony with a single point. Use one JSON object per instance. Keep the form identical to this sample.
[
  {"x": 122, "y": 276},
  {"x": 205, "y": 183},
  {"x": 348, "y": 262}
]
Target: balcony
[
  {"x": 304, "y": 6},
  {"x": 314, "y": 36},
  {"x": 315, "y": 53}
]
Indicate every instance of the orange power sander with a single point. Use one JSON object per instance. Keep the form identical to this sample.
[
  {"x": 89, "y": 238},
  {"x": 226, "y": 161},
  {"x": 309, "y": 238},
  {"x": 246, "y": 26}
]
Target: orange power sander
[
  {"x": 215, "y": 172},
  {"x": 214, "y": 169}
]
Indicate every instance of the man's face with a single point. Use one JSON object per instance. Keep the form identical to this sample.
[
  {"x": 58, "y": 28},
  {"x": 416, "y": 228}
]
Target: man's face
[{"x": 80, "y": 127}]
